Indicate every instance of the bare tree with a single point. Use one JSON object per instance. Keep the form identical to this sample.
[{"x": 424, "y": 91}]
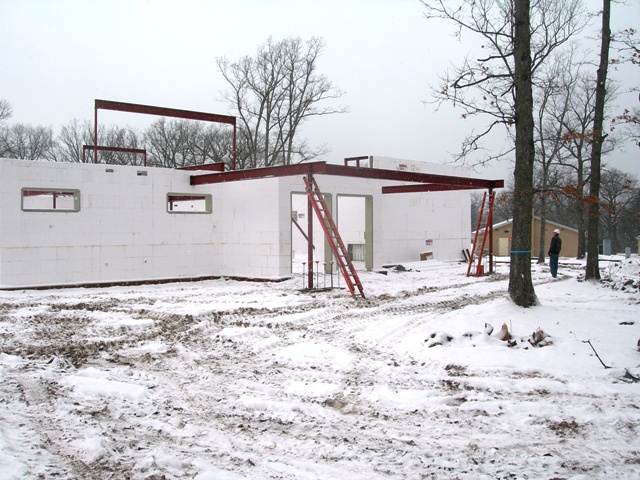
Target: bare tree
[
  {"x": 565, "y": 125},
  {"x": 26, "y": 142},
  {"x": 577, "y": 124},
  {"x": 503, "y": 207},
  {"x": 592, "y": 267},
  {"x": 484, "y": 86},
  {"x": 120, "y": 137},
  {"x": 628, "y": 48},
  {"x": 170, "y": 142},
  {"x": 631, "y": 226},
  {"x": 215, "y": 145},
  {"x": 550, "y": 109},
  {"x": 520, "y": 283},
  {"x": 579, "y": 143},
  {"x": 518, "y": 37},
  {"x": 617, "y": 193},
  {"x": 274, "y": 93},
  {"x": 183, "y": 143},
  {"x": 75, "y": 135},
  {"x": 629, "y": 118},
  {"x": 5, "y": 110},
  {"x": 71, "y": 139}
]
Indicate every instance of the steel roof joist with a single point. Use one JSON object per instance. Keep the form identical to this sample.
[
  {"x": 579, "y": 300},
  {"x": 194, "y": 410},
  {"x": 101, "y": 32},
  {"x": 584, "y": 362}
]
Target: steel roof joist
[
  {"x": 265, "y": 172},
  {"x": 426, "y": 187},
  {"x": 428, "y": 182},
  {"x": 414, "y": 177}
]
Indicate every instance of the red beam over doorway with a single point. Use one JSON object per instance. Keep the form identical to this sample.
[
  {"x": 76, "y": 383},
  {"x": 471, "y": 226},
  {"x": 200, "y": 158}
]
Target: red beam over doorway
[{"x": 140, "y": 151}]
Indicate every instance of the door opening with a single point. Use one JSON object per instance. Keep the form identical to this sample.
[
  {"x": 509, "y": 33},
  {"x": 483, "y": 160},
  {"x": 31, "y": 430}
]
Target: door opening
[{"x": 355, "y": 223}]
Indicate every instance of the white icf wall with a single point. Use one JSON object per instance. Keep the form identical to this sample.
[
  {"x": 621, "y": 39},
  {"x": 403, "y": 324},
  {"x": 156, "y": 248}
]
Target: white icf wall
[
  {"x": 413, "y": 223},
  {"x": 255, "y": 215},
  {"x": 122, "y": 231},
  {"x": 404, "y": 224}
]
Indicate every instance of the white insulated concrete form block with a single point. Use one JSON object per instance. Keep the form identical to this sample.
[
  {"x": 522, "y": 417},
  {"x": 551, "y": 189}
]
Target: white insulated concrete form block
[{"x": 252, "y": 218}]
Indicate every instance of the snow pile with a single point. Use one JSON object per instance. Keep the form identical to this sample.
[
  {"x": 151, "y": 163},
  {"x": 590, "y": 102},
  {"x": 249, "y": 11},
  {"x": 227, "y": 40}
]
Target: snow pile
[{"x": 434, "y": 375}]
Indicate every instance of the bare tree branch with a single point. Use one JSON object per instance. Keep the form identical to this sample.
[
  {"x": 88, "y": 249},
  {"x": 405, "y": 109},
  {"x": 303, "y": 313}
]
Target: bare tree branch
[
  {"x": 484, "y": 86},
  {"x": 5, "y": 110},
  {"x": 274, "y": 93}
]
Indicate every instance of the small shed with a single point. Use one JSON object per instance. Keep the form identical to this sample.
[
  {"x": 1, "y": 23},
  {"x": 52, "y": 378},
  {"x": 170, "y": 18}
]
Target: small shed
[{"x": 502, "y": 238}]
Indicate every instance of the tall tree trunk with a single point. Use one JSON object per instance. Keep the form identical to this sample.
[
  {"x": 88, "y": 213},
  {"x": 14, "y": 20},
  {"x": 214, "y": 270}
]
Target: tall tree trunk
[
  {"x": 580, "y": 217},
  {"x": 520, "y": 283},
  {"x": 592, "y": 269},
  {"x": 543, "y": 225},
  {"x": 543, "y": 213}
]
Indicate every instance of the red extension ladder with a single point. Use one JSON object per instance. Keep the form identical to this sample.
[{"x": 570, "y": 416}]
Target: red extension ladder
[
  {"x": 333, "y": 237},
  {"x": 475, "y": 253}
]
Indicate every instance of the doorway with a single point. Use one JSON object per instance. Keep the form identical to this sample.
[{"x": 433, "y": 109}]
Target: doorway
[{"x": 354, "y": 219}]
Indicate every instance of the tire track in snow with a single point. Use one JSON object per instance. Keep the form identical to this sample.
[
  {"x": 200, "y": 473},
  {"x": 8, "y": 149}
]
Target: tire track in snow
[
  {"x": 206, "y": 390},
  {"x": 39, "y": 418}
]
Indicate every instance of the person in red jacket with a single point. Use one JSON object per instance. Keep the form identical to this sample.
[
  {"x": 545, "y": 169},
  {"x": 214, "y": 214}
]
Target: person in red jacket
[{"x": 554, "y": 252}]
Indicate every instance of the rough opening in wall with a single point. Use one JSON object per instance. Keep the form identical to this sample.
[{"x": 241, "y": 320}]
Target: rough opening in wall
[
  {"x": 355, "y": 222},
  {"x": 42, "y": 200},
  {"x": 321, "y": 253},
  {"x": 188, "y": 203}
]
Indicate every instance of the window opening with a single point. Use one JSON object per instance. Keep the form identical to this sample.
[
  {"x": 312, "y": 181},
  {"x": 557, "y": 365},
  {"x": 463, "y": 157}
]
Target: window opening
[
  {"x": 50, "y": 200},
  {"x": 188, "y": 203}
]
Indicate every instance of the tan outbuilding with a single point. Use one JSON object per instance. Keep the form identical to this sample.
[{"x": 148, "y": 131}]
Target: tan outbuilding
[{"x": 502, "y": 238}]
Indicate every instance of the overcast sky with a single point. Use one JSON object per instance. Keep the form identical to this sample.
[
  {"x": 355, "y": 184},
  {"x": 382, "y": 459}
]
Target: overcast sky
[{"x": 58, "y": 56}]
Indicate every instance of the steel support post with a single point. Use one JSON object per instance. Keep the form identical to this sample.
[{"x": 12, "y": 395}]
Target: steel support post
[
  {"x": 310, "y": 235},
  {"x": 490, "y": 226}
]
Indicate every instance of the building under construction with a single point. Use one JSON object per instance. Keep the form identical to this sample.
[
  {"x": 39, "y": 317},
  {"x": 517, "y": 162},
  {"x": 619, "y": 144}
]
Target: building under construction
[{"x": 94, "y": 224}]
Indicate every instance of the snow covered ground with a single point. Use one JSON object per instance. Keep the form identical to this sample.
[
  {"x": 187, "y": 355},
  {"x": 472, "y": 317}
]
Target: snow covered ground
[{"x": 232, "y": 380}]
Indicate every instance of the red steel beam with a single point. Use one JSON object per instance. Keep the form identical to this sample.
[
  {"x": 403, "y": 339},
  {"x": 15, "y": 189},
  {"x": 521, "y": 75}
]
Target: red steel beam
[
  {"x": 184, "y": 198},
  {"x": 265, "y": 172},
  {"x": 424, "y": 187},
  {"x": 163, "y": 112},
  {"x": 402, "y": 176},
  {"x": 436, "y": 182},
  {"x": 113, "y": 149},
  {"x": 213, "y": 167},
  {"x": 36, "y": 193}
]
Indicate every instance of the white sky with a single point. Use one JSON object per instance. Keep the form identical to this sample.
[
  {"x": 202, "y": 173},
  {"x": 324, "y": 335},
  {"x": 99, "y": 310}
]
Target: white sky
[{"x": 58, "y": 56}]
